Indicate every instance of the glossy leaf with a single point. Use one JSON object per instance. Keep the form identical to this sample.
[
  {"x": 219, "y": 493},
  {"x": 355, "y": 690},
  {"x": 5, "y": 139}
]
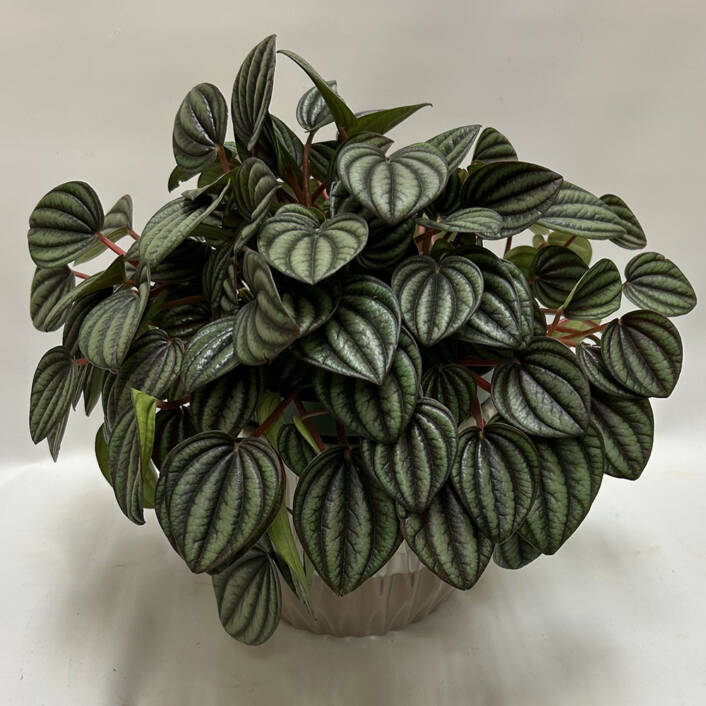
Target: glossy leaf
[
  {"x": 295, "y": 450},
  {"x": 47, "y": 303},
  {"x": 555, "y": 272},
  {"x": 312, "y": 111},
  {"x": 591, "y": 361},
  {"x": 634, "y": 237},
  {"x": 386, "y": 246},
  {"x": 172, "y": 426},
  {"x": 311, "y": 307},
  {"x": 597, "y": 294},
  {"x": 514, "y": 553},
  {"x": 455, "y": 143},
  {"x": 209, "y": 354},
  {"x": 576, "y": 243},
  {"x": 481, "y": 221},
  {"x": 523, "y": 257},
  {"x": 493, "y": 146},
  {"x": 380, "y": 121},
  {"x": 453, "y": 386}
]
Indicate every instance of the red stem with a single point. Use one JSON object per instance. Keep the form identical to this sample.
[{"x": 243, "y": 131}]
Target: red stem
[
  {"x": 321, "y": 189},
  {"x": 109, "y": 243},
  {"x": 312, "y": 429},
  {"x": 478, "y": 362},
  {"x": 173, "y": 404},
  {"x": 480, "y": 381},
  {"x": 555, "y": 323},
  {"x": 274, "y": 416},
  {"x": 341, "y": 434},
  {"x": 80, "y": 275},
  {"x": 508, "y": 245},
  {"x": 569, "y": 241},
  {"x": 132, "y": 234},
  {"x": 82, "y": 361},
  {"x": 477, "y": 413},
  {"x": 223, "y": 159}
]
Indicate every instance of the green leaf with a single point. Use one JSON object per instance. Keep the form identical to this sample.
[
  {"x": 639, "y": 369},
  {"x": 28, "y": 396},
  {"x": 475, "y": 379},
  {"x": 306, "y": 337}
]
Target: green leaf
[
  {"x": 346, "y": 524},
  {"x": 369, "y": 313},
  {"x": 52, "y": 391},
  {"x": 172, "y": 426},
  {"x": 522, "y": 256},
  {"x": 520, "y": 192},
  {"x": 495, "y": 474},
  {"x": 115, "y": 225},
  {"x": 447, "y": 541},
  {"x": 295, "y": 450},
  {"x": 555, "y": 273},
  {"x": 591, "y": 361},
  {"x": 311, "y": 307},
  {"x": 643, "y": 351},
  {"x": 249, "y": 596},
  {"x": 283, "y": 542},
  {"x": 576, "y": 243},
  {"x": 514, "y": 553},
  {"x": 145, "y": 411},
  {"x": 312, "y": 111},
  {"x": 654, "y": 282},
  {"x": 387, "y": 245},
  {"x": 436, "y": 298},
  {"x": 482, "y": 221},
  {"x": 578, "y": 212},
  {"x": 380, "y": 121},
  {"x": 392, "y": 187},
  {"x": 101, "y": 451},
  {"x": 55, "y": 436},
  {"x": 455, "y": 143},
  {"x": 493, "y": 146},
  {"x": 543, "y": 390},
  {"x": 199, "y": 128},
  {"x": 208, "y": 473},
  {"x": 252, "y": 91},
  {"x": 571, "y": 471},
  {"x": 627, "y": 430},
  {"x": 63, "y": 224},
  {"x": 267, "y": 404},
  {"x": 597, "y": 294},
  {"x": 47, "y": 303},
  {"x": 229, "y": 403},
  {"x": 92, "y": 386},
  {"x": 453, "y": 386},
  {"x": 634, "y": 237},
  {"x": 297, "y": 243},
  {"x": 413, "y": 468},
  {"x": 209, "y": 354},
  {"x": 342, "y": 114},
  {"x": 378, "y": 412}
]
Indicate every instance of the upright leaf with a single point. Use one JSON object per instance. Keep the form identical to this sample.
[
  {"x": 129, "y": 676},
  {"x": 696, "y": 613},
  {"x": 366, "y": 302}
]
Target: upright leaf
[
  {"x": 493, "y": 146},
  {"x": 295, "y": 450},
  {"x": 453, "y": 386},
  {"x": 380, "y": 121},
  {"x": 47, "y": 303},
  {"x": 312, "y": 111},
  {"x": 597, "y": 294},
  {"x": 555, "y": 272},
  {"x": 634, "y": 237},
  {"x": 209, "y": 354},
  {"x": 455, "y": 143}
]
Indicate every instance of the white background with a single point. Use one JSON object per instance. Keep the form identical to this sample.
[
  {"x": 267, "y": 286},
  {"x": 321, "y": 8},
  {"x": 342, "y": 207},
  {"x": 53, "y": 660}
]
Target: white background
[{"x": 94, "y": 610}]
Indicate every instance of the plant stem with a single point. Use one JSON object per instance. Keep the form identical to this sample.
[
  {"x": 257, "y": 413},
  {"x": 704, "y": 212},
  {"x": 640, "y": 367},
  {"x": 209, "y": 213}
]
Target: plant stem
[
  {"x": 80, "y": 275},
  {"x": 480, "y": 381},
  {"x": 275, "y": 415},
  {"x": 223, "y": 159},
  {"x": 477, "y": 413},
  {"x": 341, "y": 434},
  {"x": 295, "y": 187},
  {"x": 569, "y": 241},
  {"x": 110, "y": 244},
  {"x": 508, "y": 245},
  {"x": 82, "y": 361},
  {"x": 321, "y": 189},
  {"x": 173, "y": 404},
  {"x": 478, "y": 362},
  {"x": 305, "y": 168},
  {"x": 555, "y": 323},
  {"x": 309, "y": 425}
]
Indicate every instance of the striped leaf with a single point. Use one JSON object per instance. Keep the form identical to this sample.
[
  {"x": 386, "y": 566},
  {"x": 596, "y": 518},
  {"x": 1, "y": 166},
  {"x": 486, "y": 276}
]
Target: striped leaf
[
  {"x": 311, "y": 307},
  {"x": 360, "y": 339},
  {"x": 92, "y": 387},
  {"x": 481, "y": 221},
  {"x": 345, "y": 522},
  {"x": 520, "y": 192},
  {"x": 396, "y": 186},
  {"x": 591, "y": 361},
  {"x": 254, "y": 188},
  {"x": 209, "y": 353},
  {"x": 597, "y": 294},
  {"x": 299, "y": 244},
  {"x": 576, "y": 243},
  {"x": 543, "y": 390},
  {"x": 378, "y": 412},
  {"x": 47, "y": 303},
  {"x": 643, "y": 351},
  {"x": 248, "y": 595},
  {"x": 447, "y": 541},
  {"x": 634, "y": 237},
  {"x": 312, "y": 111},
  {"x": 493, "y": 146},
  {"x": 514, "y": 553},
  {"x": 523, "y": 257},
  {"x": 656, "y": 283},
  {"x": 115, "y": 224},
  {"x": 555, "y": 272},
  {"x": 455, "y": 143},
  {"x": 386, "y": 246},
  {"x": 413, "y": 468},
  {"x": 453, "y": 386},
  {"x": 172, "y": 426},
  {"x": 295, "y": 450},
  {"x": 495, "y": 474},
  {"x": 436, "y": 298}
]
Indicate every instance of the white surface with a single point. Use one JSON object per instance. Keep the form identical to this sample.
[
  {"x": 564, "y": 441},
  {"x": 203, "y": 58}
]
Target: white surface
[{"x": 94, "y": 610}]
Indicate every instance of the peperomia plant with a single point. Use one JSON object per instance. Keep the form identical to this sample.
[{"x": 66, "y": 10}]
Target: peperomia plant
[{"x": 335, "y": 307}]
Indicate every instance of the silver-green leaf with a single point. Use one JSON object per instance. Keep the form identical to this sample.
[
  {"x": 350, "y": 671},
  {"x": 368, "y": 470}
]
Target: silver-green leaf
[{"x": 455, "y": 143}]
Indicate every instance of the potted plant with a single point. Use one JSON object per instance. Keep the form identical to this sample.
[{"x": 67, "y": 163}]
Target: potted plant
[{"x": 327, "y": 329}]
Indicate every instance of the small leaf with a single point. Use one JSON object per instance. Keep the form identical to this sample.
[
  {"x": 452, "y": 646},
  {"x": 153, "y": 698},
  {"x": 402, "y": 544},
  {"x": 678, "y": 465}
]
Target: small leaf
[
  {"x": 295, "y": 450},
  {"x": 654, "y": 282},
  {"x": 312, "y": 111},
  {"x": 523, "y": 257},
  {"x": 380, "y": 121},
  {"x": 482, "y": 221},
  {"x": 447, "y": 541},
  {"x": 555, "y": 273},
  {"x": 436, "y": 299},
  {"x": 209, "y": 354},
  {"x": 514, "y": 553},
  {"x": 576, "y": 243},
  {"x": 643, "y": 352},
  {"x": 453, "y": 386},
  {"x": 591, "y": 361},
  {"x": 92, "y": 386},
  {"x": 47, "y": 303},
  {"x": 346, "y": 524},
  {"x": 495, "y": 474},
  {"x": 455, "y": 143},
  {"x": 634, "y": 237},
  {"x": 115, "y": 225},
  {"x": 597, "y": 294},
  {"x": 543, "y": 390},
  {"x": 145, "y": 411},
  {"x": 172, "y": 426},
  {"x": 493, "y": 146}
]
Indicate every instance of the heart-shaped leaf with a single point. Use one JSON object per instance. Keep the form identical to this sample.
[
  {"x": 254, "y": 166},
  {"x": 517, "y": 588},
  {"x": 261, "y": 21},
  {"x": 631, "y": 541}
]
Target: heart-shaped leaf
[
  {"x": 199, "y": 128},
  {"x": 591, "y": 361},
  {"x": 252, "y": 91},
  {"x": 493, "y": 146},
  {"x": 578, "y": 212},
  {"x": 295, "y": 450},
  {"x": 63, "y": 224},
  {"x": 392, "y": 187},
  {"x": 360, "y": 339},
  {"x": 627, "y": 430},
  {"x": 210, "y": 353},
  {"x": 436, "y": 298},
  {"x": 345, "y": 522},
  {"x": 311, "y": 307},
  {"x": 227, "y": 404},
  {"x": 634, "y": 237},
  {"x": 415, "y": 466},
  {"x": 312, "y": 111},
  {"x": 597, "y": 294},
  {"x": 172, "y": 426},
  {"x": 555, "y": 272},
  {"x": 447, "y": 541},
  {"x": 249, "y": 596},
  {"x": 654, "y": 282},
  {"x": 543, "y": 390},
  {"x": 220, "y": 496},
  {"x": 115, "y": 225},
  {"x": 495, "y": 474},
  {"x": 481, "y": 221},
  {"x": 455, "y": 143},
  {"x": 47, "y": 303},
  {"x": 378, "y": 412},
  {"x": 514, "y": 553},
  {"x": 571, "y": 471},
  {"x": 387, "y": 245},
  {"x": 520, "y": 192},
  {"x": 380, "y": 121},
  {"x": 297, "y": 243},
  {"x": 453, "y": 386},
  {"x": 643, "y": 351}
]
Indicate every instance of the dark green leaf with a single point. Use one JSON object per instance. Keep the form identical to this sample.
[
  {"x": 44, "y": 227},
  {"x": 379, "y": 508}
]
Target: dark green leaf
[
  {"x": 591, "y": 361},
  {"x": 115, "y": 225},
  {"x": 386, "y": 246},
  {"x": 295, "y": 450},
  {"x": 493, "y": 146},
  {"x": 482, "y": 221},
  {"x": 577, "y": 243},
  {"x": 455, "y": 143},
  {"x": 597, "y": 294},
  {"x": 172, "y": 426},
  {"x": 380, "y": 121},
  {"x": 514, "y": 553},
  {"x": 311, "y": 307},
  {"x": 453, "y": 386},
  {"x": 209, "y": 354},
  {"x": 523, "y": 257},
  {"x": 92, "y": 386},
  {"x": 101, "y": 451},
  {"x": 55, "y": 436},
  {"x": 312, "y": 111},
  {"x": 634, "y": 237},
  {"x": 47, "y": 305},
  {"x": 555, "y": 272}
]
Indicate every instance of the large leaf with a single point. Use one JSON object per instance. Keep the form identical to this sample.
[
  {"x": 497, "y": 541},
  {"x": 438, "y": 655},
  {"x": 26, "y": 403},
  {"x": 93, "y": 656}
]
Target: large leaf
[
  {"x": 311, "y": 307},
  {"x": 249, "y": 596},
  {"x": 514, "y": 553},
  {"x": 380, "y": 121},
  {"x": 312, "y": 111},
  {"x": 493, "y": 146},
  {"x": 387, "y": 245},
  {"x": 436, "y": 298},
  {"x": 252, "y": 91},
  {"x": 482, "y": 221},
  {"x": 415, "y": 466},
  {"x": 555, "y": 272},
  {"x": 345, "y": 522},
  {"x": 453, "y": 386},
  {"x": 597, "y": 294},
  {"x": 209, "y": 354},
  {"x": 447, "y": 541},
  {"x": 455, "y": 143},
  {"x": 654, "y": 282},
  {"x": 396, "y": 186},
  {"x": 220, "y": 497},
  {"x": 295, "y": 450},
  {"x": 627, "y": 430},
  {"x": 643, "y": 351},
  {"x": 378, "y": 412},
  {"x": 47, "y": 303},
  {"x": 634, "y": 237},
  {"x": 591, "y": 361},
  {"x": 360, "y": 339},
  {"x": 571, "y": 471},
  {"x": 495, "y": 474},
  {"x": 298, "y": 243},
  {"x": 543, "y": 390},
  {"x": 63, "y": 224},
  {"x": 199, "y": 128},
  {"x": 520, "y": 192}
]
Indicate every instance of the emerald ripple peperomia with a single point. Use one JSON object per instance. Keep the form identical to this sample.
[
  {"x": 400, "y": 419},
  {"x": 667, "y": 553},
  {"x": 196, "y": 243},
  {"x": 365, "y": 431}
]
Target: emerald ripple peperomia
[{"x": 414, "y": 336}]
